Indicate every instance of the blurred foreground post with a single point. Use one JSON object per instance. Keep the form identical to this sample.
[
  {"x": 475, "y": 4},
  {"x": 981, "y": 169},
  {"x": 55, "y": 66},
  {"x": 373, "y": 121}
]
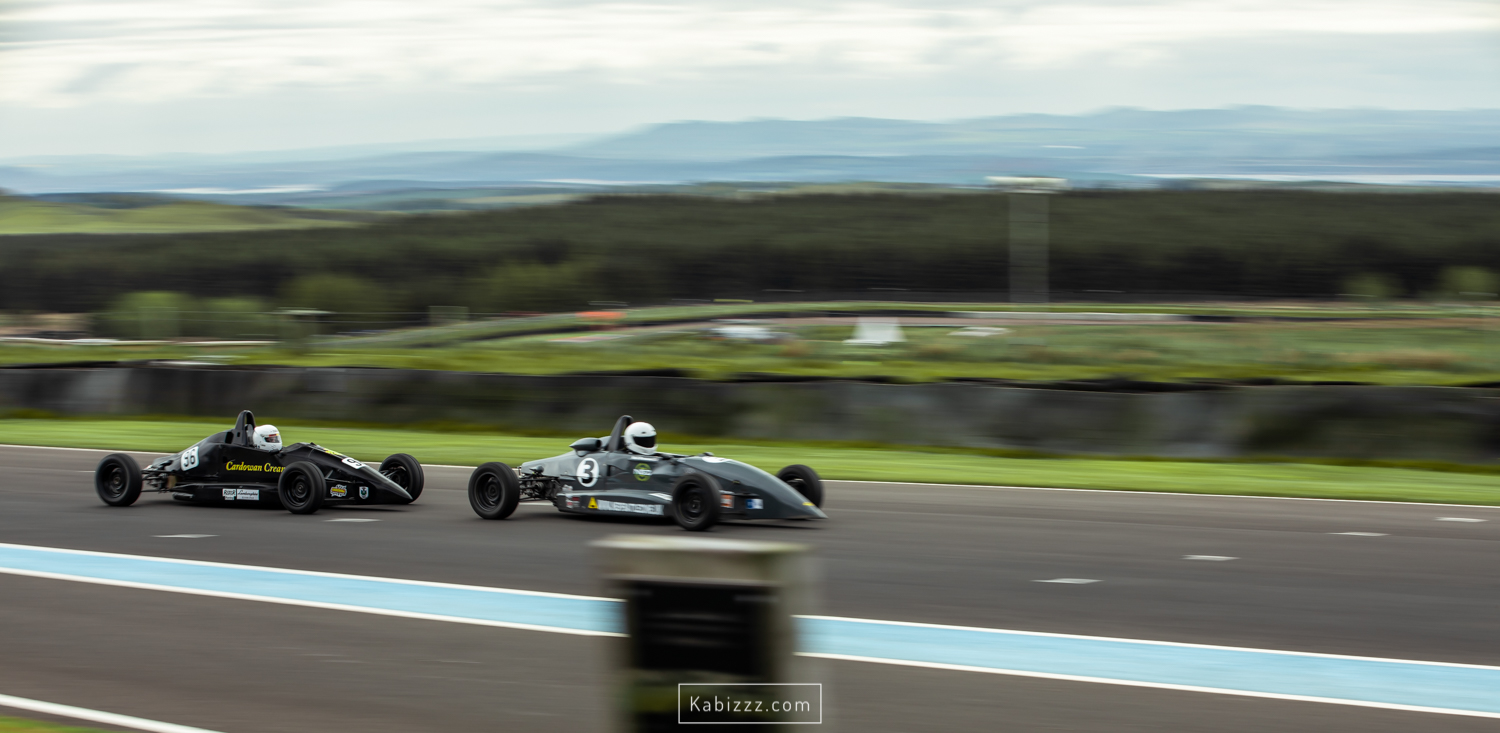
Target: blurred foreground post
[
  {"x": 710, "y": 632},
  {"x": 1028, "y": 247}
]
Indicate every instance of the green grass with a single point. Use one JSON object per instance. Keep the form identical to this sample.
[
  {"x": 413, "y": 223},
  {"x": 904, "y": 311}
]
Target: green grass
[
  {"x": 503, "y": 327},
  {"x": 1451, "y": 351},
  {"x": 29, "y": 216},
  {"x": 1433, "y": 345},
  {"x": 833, "y": 461},
  {"x": 21, "y": 725}
]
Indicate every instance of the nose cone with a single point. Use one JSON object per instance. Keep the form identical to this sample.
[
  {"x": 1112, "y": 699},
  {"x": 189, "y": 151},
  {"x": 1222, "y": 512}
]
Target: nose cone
[
  {"x": 387, "y": 485},
  {"x": 808, "y": 509}
]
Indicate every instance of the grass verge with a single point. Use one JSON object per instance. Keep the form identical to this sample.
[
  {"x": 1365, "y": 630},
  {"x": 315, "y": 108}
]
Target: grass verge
[
  {"x": 1291, "y": 479},
  {"x": 22, "y": 725}
]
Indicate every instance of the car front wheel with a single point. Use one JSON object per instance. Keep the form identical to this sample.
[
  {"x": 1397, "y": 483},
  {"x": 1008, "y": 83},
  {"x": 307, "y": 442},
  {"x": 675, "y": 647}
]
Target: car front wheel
[
  {"x": 118, "y": 480},
  {"x": 805, "y": 481},
  {"x": 494, "y": 491}
]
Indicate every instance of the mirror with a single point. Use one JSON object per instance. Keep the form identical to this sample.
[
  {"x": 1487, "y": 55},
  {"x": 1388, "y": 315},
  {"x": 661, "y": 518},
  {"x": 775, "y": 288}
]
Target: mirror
[{"x": 587, "y": 445}]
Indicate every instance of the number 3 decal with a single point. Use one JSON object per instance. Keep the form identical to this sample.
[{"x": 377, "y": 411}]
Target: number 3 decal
[
  {"x": 588, "y": 472},
  {"x": 190, "y": 458}
]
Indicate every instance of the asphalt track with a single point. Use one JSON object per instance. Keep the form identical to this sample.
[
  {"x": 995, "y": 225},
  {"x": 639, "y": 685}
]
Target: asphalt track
[{"x": 1423, "y": 589}]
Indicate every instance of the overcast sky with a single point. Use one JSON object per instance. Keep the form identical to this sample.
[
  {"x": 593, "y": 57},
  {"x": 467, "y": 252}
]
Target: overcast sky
[{"x": 147, "y": 76}]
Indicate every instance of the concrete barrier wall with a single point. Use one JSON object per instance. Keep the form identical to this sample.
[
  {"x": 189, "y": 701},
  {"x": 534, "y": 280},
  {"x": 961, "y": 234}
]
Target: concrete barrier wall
[{"x": 1440, "y": 423}]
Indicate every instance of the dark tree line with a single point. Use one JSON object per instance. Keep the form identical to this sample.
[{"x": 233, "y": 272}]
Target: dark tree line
[{"x": 645, "y": 249}]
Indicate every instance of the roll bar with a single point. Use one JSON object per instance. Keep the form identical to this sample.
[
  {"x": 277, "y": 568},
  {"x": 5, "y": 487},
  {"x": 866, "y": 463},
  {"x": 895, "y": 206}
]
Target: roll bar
[
  {"x": 617, "y": 436},
  {"x": 244, "y": 428}
]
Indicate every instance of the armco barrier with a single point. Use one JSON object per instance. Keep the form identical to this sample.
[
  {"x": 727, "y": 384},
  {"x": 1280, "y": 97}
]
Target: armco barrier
[{"x": 1370, "y": 422}]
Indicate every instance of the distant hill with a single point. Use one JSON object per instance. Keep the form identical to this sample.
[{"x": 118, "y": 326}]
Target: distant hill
[
  {"x": 1126, "y": 147},
  {"x": 1125, "y": 134},
  {"x": 121, "y": 214}
]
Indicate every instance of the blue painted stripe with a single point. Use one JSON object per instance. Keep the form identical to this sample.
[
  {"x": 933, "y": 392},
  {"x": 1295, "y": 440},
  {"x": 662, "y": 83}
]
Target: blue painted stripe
[
  {"x": 463, "y": 602},
  {"x": 1393, "y": 682},
  {"x": 1358, "y": 680}
]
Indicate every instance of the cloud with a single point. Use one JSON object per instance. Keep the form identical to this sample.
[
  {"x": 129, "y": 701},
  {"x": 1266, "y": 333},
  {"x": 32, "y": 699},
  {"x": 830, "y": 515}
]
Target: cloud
[{"x": 60, "y": 53}]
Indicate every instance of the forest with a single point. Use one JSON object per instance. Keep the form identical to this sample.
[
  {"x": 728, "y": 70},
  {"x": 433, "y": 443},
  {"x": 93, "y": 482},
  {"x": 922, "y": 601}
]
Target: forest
[{"x": 640, "y": 250}]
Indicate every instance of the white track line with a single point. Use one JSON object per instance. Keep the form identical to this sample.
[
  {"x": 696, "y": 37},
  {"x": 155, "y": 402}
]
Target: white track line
[
  {"x": 980, "y": 487},
  {"x": 97, "y": 716}
]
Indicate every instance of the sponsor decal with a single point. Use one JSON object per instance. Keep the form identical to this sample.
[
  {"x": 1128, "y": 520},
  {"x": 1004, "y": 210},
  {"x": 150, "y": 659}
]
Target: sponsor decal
[
  {"x": 755, "y": 503},
  {"x": 190, "y": 458},
  {"x": 572, "y": 502},
  {"x": 338, "y": 492},
  {"x": 255, "y": 467},
  {"x": 350, "y": 462},
  {"x": 593, "y": 504},
  {"x": 726, "y": 501},
  {"x": 642, "y": 472},
  {"x": 242, "y": 494},
  {"x": 628, "y": 507},
  {"x": 588, "y": 472},
  {"x": 364, "y": 492}
]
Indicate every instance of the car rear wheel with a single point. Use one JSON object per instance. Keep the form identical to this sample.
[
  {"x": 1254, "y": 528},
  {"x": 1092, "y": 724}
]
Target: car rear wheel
[
  {"x": 494, "y": 490},
  {"x": 695, "y": 502},
  {"x": 302, "y": 488},
  {"x": 406, "y": 472},
  {"x": 805, "y": 481},
  {"x": 118, "y": 480}
]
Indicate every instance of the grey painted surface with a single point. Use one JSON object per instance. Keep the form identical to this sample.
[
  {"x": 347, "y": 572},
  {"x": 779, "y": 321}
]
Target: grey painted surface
[{"x": 1443, "y": 423}]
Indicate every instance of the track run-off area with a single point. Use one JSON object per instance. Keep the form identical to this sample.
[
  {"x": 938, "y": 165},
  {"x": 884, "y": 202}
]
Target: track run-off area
[{"x": 941, "y": 606}]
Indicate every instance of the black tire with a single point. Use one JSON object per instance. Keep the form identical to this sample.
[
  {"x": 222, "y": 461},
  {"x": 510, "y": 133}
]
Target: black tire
[
  {"x": 695, "y": 502},
  {"x": 805, "y": 481},
  {"x": 494, "y": 490},
  {"x": 302, "y": 488},
  {"x": 405, "y": 471},
  {"x": 118, "y": 480}
]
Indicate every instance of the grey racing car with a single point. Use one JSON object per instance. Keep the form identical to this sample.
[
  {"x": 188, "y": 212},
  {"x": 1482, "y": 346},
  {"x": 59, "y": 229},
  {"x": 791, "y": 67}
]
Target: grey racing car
[{"x": 623, "y": 475}]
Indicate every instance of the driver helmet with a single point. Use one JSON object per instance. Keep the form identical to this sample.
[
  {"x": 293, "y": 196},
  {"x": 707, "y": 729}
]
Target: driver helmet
[
  {"x": 267, "y": 437},
  {"x": 640, "y": 437}
]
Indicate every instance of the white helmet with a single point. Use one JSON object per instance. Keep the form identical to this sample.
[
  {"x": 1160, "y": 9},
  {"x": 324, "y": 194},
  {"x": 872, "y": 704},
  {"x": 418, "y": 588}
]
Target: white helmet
[
  {"x": 640, "y": 437},
  {"x": 267, "y": 437}
]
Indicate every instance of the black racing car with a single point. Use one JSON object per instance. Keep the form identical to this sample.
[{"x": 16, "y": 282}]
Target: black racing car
[
  {"x": 600, "y": 477},
  {"x": 227, "y": 468}
]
